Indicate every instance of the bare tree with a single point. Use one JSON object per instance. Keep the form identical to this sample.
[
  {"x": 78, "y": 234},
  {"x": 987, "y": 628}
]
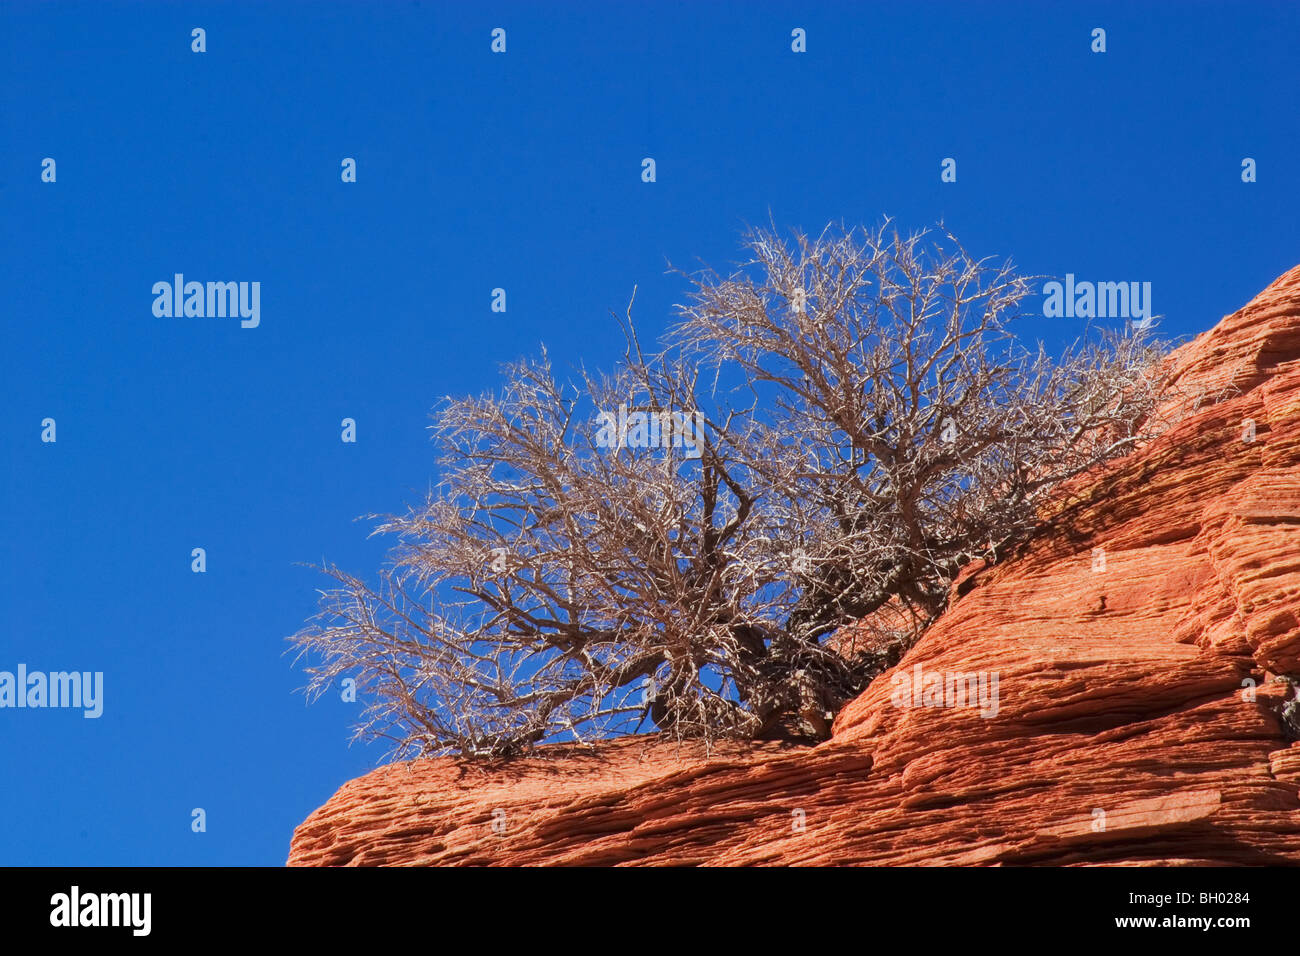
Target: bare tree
[{"x": 828, "y": 435}]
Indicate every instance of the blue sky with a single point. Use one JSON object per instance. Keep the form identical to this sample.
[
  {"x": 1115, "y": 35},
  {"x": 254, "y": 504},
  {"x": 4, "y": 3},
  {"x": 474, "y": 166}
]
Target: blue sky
[{"x": 475, "y": 171}]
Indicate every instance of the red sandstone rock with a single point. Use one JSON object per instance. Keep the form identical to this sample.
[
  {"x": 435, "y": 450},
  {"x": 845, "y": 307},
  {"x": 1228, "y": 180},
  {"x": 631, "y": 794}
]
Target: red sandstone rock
[{"x": 1123, "y": 732}]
